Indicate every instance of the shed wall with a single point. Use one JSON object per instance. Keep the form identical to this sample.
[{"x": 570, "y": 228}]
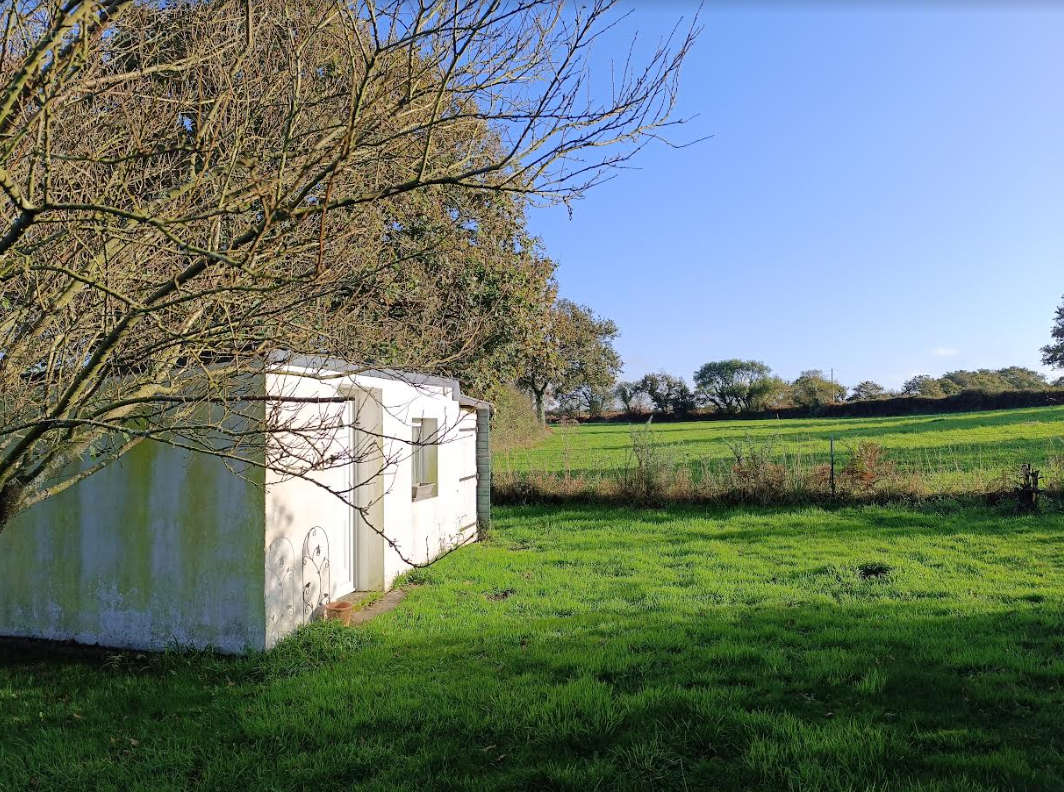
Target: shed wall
[
  {"x": 162, "y": 547},
  {"x": 420, "y": 530}
]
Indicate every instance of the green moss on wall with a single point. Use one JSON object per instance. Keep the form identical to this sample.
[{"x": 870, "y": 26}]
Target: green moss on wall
[{"x": 163, "y": 545}]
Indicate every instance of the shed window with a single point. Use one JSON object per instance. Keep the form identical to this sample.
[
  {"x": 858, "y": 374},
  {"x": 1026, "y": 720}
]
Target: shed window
[{"x": 425, "y": 470}]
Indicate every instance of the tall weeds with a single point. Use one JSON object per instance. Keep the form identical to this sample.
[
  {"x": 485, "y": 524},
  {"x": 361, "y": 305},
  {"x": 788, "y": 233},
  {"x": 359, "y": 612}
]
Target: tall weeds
[
  {"x": 763, "y": 473},
  {"x": 645, "y": 475}
]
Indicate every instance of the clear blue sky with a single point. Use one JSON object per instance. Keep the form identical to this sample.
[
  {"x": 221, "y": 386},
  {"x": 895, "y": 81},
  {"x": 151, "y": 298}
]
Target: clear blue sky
[{"x": 883, "y": 194}]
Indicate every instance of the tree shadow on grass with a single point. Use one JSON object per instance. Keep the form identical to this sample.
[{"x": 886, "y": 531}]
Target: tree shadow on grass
[
  {"x": 728, "y": 698},
  {"x": 625, "y": 669}
]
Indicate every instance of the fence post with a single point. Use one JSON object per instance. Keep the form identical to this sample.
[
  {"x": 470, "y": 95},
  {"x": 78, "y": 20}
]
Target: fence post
[
  {"x": 483, "y": 458},
  {"x": 832, "y": 441}
]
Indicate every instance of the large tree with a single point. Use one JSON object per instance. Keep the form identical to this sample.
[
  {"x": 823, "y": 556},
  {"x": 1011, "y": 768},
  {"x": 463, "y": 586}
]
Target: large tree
[
  {"x": 813, "y": 389},
  {"x": 1023, "y": 378},
  {"x": 867, "y": 390},
  {"x": 668, "y": 394},
  {"x": 1053, "y": 352},
  {"x": 574, "y": 360},
  {"x": 923, "y": 385},
  {"x": 734, "y": 386},
  {"x": 629, "y": 394},
  {"x": 189, "y": 187}
]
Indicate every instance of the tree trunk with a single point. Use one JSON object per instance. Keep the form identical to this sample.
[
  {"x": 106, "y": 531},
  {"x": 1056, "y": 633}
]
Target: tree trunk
[{"x": 541, "y": 413}]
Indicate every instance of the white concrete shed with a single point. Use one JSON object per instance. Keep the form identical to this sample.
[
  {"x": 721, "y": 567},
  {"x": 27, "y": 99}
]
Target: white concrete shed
[{"x": 167, "y": 547}]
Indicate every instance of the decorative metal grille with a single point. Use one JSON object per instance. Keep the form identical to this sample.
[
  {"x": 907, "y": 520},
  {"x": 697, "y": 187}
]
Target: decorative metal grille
[
  {"x": 282, "y": 593},
  {"x": 316, "y": 573}
]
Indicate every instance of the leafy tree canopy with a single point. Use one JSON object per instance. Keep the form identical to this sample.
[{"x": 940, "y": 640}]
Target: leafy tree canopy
[
  {"x": 813, "y": 389},
  {"x": 191, "y": 189},
  {"x": 667, "y": 393},
  {"x": 868, "y": 389},
  {"x": 573, "y": 359},
  {"x": 986, "y": 380},
  {"x": 734, "y": 385},
  {"x": 630, "y": 395},
  {"x": 923, "y": 385},
  {"x": 1053, "y": 352}
]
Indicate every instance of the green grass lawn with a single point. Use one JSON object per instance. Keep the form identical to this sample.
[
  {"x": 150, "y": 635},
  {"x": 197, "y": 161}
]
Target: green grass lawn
[
  {"x": 596, "y": 649},
  {"x": 957, "y": 444}
]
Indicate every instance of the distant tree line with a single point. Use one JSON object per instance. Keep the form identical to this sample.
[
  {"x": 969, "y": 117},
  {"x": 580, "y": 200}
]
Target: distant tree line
[
  {"x": 1013, "y": 378},
  {"x": 726, "y": 386},
  {"x": 576, "y": 374},
  {"x": 574, "y": 367},
  {"x": 737, "y": 387}
]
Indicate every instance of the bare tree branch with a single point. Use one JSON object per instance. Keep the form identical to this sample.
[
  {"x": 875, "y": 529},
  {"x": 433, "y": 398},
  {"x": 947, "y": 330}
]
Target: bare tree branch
[{"x": 188, "y": 188}]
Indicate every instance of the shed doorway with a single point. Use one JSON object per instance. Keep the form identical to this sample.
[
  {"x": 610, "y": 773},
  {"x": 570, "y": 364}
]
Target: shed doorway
[{"x": 368, "y": 470}]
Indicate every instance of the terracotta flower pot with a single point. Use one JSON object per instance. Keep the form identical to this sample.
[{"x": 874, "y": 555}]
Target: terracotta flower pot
[{"x": 340, "y": 611}]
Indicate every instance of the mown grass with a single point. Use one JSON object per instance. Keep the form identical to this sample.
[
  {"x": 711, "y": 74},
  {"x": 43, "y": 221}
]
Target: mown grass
[
  {"x": 966, "y": 452},
  {"x": 861, "y": 648}
]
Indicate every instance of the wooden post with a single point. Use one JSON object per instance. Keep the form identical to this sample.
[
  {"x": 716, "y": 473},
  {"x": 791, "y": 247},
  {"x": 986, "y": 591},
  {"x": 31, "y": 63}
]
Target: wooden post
[
  {"x": 483, "y": 470},
  {"x": 1027, "y": 492},
  {"x": 832, "y": 466}
]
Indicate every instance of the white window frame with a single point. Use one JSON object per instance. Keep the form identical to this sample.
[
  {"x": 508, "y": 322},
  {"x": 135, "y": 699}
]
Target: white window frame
[{"x": 424, "y": 459}]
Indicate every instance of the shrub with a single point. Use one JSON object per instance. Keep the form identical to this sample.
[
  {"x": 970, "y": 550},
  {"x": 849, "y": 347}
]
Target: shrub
[
  {"x": 867, "y": 466},
  {"x": 755, "y": 474}
]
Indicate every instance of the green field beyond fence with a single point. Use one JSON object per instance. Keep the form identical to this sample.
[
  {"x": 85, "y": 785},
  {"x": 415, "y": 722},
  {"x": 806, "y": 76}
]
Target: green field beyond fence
[{"x": 967, "y": 451}]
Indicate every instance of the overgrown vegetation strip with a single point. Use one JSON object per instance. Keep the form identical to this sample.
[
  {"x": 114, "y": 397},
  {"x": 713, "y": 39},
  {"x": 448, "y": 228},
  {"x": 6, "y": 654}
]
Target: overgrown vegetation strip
[{"x": 977, "y": 455}]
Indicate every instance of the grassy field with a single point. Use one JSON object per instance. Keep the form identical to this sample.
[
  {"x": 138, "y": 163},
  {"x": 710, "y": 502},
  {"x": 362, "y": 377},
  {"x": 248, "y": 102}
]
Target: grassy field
[
  {"x": 864, "y": 648},
  {"x": 969, "y": 448}
]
